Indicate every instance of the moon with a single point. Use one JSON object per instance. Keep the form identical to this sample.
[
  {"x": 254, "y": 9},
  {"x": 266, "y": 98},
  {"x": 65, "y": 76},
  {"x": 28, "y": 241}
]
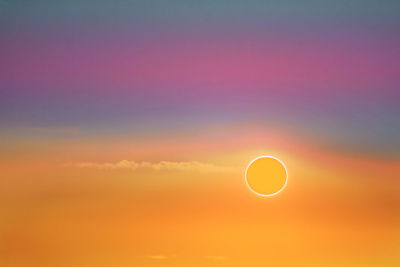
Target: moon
[{"x": 266, "y": 176}]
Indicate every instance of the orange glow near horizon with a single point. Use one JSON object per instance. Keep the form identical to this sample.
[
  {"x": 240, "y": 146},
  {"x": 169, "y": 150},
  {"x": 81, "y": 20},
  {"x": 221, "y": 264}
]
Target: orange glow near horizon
[{"x": 197, "y": 210}]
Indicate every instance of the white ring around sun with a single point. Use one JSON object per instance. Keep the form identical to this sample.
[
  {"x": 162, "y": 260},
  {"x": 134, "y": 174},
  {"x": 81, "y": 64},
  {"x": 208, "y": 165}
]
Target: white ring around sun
[{"x": 273, "y": 194}]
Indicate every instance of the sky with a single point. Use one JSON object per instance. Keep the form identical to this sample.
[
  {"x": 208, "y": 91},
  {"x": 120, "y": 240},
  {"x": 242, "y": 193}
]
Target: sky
[{"x": 126, "y": 128}]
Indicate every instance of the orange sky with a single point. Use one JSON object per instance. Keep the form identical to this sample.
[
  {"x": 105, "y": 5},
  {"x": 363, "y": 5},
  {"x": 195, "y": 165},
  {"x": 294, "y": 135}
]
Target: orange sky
[{"x": 337, "y": 209}]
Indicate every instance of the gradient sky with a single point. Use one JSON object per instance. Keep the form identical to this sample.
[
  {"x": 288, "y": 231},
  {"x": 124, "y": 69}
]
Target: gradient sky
[{"x": 204, "y": 86}]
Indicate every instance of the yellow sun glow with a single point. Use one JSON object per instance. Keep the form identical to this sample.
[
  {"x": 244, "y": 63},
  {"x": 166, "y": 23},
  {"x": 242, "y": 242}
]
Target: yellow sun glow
[{"x": 266, "y": 176}]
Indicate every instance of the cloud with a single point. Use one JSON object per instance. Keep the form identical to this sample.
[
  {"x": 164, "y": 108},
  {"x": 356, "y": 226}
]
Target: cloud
[
  {"x": 162, "y": 165},
  {"x": 157, "y": 257},
  {"x": 55, "y": 130},
  {"x": 216, "y": 258}
]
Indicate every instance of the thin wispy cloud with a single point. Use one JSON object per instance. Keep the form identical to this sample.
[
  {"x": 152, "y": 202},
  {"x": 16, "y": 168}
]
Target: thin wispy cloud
[
  {"x": 55, "y": 130},
  {"x": 158, "y": 166},
  {"x": 216, "y": 258},
  {"x": 157, "y": 257}
]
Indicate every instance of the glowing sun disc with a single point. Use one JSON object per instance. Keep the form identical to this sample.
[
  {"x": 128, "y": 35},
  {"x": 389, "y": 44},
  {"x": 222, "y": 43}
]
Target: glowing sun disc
[{"x": 266, "y": 176}]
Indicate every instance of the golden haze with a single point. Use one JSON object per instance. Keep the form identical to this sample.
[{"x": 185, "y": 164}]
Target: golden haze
[{"x": 339, "y": 208}]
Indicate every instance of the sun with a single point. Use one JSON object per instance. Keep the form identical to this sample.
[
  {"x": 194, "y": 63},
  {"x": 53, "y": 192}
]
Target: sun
[{"x": 266, "y": 176}]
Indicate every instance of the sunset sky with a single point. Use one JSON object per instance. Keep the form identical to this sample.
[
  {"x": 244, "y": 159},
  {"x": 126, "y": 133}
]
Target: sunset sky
[{"x": 126, "y": 128}]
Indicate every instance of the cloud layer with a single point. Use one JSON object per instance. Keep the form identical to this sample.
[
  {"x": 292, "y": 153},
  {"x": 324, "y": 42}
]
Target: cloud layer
[{"x": 162, "y": 165}]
